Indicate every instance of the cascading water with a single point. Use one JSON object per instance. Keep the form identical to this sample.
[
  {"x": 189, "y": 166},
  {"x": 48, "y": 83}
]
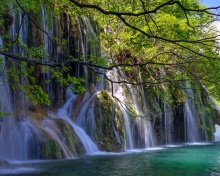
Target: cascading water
[
  {"x": 217, "y": 127},
  {"x": 168, "y": 123},
  {"x": 190, "y": 123},
  {"x": 149, "y": 135},
  {"x": 16, "y": 138},
  {"x": 19, "y": 30},
  {"x": 49, "y": 50},
  {"x": 22, "y": 144},
  {"x": 86, "y": 45},
  {"x": 144, "y": 126},
  {"x": 86, "y": 117},
  {"x": 52, "y": 129},
  {"x": 64, "y": 113},
  {"x": 143, "y": 133},
  {"x": 118, "y": 92}
]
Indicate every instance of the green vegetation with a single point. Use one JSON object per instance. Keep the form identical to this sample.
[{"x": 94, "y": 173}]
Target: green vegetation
[
  {"x": 50, "y": 149},
  {"x": 71, "y": 139},
  {"x": 108, "y": 117},
  {"x": 167, "y": 40}
]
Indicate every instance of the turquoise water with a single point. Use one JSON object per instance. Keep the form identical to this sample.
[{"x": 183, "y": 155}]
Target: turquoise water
[{"x": 187, "y": 160}]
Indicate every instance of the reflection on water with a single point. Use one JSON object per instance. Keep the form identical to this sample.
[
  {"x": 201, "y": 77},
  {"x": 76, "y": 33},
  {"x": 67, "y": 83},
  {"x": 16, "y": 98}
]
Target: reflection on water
[{"x": 187, "y": 160}]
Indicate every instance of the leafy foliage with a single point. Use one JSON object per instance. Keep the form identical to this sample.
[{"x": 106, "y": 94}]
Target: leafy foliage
[{"x": 168, "y": 44}]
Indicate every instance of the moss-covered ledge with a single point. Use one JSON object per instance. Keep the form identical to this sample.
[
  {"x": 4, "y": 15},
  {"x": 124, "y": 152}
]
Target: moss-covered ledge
[{"x": 109, "y": 123}]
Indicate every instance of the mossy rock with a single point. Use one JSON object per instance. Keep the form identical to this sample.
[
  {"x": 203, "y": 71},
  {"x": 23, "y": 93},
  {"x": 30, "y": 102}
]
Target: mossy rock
[
  {"x": 71, "y": 138},
  {"x": 110, "y": 146},
  {"x": 107, "y": 117},
  {"x": 50, "y": 149}
]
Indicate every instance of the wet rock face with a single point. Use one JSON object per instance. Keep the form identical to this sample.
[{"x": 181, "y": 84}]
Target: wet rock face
[
  {"x": 109, "y": 146},
  {"x": 108, "y": 117},
  {"x": 81, "y": 100},
  {"x": 50, "y": 148}
]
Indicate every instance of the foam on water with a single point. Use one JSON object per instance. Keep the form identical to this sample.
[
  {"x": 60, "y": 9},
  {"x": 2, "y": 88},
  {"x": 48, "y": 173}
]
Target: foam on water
[
  {"x": 21, "y": 170},
  {"x": 172, "y": 146},
  {"x": 197, "y": 143}
]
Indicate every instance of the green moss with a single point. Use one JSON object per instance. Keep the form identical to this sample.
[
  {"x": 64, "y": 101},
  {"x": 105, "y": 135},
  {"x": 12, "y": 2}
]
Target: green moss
[
  {"x": 108, "y": 116},
  {"x": 71, "y": 139},
  {"x": 209, "y": 133},
  {"x": 50, "y": 150}
]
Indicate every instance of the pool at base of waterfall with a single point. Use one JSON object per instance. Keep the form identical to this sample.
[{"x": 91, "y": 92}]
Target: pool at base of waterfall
[{"x": 174, "y": 160}]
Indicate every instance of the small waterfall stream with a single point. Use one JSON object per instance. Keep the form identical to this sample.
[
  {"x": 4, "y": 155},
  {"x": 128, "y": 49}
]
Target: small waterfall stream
[
  {"x": 190, "y": 123},
  {"x": 168, "y": 123},
  {"x": 86, "y": 117},
  {"x": 64, "y": 113},
  {"x": 119, "y": 93},
  {"x": 52, "y": 129},
  {"x": 16, "y": 137},
  {"x": 144, "y": 129}
]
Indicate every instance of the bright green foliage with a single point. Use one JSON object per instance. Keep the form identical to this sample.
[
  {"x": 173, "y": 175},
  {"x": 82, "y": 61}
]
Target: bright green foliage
[
  {"x": 171, "y": 44},
  {"x": 66, "y": 79}
]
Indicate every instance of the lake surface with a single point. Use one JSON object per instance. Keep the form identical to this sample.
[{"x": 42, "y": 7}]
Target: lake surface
[{"x": 186, "y": 160}]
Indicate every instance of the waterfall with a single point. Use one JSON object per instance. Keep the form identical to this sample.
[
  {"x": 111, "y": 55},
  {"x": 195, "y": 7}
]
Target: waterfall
[
  {"x": 51, "y": 128},
  {"x": 143, "y": 124},
  {"x": 20, "y": 134},
  {"x": 88, "y": 144},
  {"x": 217, "y": 127},
  {"x": 64, "y": 113},
  {"x": 86, "y": 117},
  {"x": 49, "y": 49},
  {"x": 118, "y": 92},
  {"x": 190, "y": 122},
  {"x": 18, "y": 31},
  {"x": 144, "y": 132},
  {"x": 149, "y": 134},
  {"x": 217, "y": 132},
  {"x": 168, "y": 123},
  {"x": 16, "y": 138}
]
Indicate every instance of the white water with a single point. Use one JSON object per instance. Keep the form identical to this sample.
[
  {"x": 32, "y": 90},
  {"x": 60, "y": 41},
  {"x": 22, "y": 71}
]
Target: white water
[
  {"x": 86, "y": 117},
  {"x": 144, "y": 125},
  {"x": 118, "y": 92},
  {"x": 190, "y": 122},
  {"x": 168, "y": 123},
  {"x": 88, "y": 144},
  {"x": 51, "y": 128},
  {"x": 15, "y": 137},
  {"x": 217, "y": 132},
  {"x": 64, "y": 113},
  {"x": 144, "y": 129},
  {"x": 20, "y": 24}
]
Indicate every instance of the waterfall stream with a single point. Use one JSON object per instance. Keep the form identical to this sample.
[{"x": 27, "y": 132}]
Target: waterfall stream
[
  {"x": 144, "y": 129},
  {"x": 16, "y": 137},
  {"x": 190, "y": 123},
  {"x": 64, "y": 113},
  {"x": 168, "y": 123},
  {"x": 51, "y": 128}
]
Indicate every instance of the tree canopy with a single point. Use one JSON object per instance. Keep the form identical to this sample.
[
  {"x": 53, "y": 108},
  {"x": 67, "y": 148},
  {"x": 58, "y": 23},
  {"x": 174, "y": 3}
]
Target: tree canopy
[{"x": 165, "y": 40}]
